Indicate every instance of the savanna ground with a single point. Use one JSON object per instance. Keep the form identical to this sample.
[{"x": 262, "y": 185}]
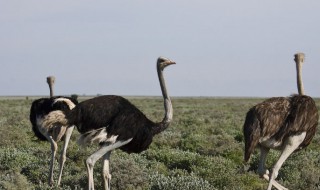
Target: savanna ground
[{"x": 202, "y": 149}]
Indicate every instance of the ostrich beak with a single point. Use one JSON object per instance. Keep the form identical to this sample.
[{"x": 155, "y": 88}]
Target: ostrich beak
[
  {"x": 169, "y": 62},
  {"x": 164, "y": 62}
]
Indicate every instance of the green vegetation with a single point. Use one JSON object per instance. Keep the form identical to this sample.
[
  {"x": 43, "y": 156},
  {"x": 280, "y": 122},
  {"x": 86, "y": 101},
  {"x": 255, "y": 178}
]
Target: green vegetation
[{"x": 202, "y": 149}]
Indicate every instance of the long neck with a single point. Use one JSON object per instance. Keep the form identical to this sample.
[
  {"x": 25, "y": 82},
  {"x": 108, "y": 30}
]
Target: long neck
[
  {"x": 50, "y": 81},
  {"x": 167, "y": 106},
  {"x": 299, "y": 61},
  {"x": 299, "y": 79},
  {"x": 51, "y": 88}
]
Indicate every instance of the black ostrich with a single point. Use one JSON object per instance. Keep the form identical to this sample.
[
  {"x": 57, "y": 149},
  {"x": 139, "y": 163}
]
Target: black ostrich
[
  {"x": 286, "y": 124},
  {"x": 40, "y": 108},
  {"x": 113, "y": 122}
]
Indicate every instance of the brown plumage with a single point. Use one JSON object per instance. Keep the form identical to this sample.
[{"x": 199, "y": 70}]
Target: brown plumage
[
  {"x": 287, "y": 124},
  {"x": 278, "y": 118}
]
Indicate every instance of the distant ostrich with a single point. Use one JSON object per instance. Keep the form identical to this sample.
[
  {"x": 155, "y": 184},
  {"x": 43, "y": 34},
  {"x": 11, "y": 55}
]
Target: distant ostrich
[
  {"x": 113, "y": 122},
  {"x": 286, "y": 124},
  {"x": 50, "y": 81},
  {"x": 42, "y": 107}
]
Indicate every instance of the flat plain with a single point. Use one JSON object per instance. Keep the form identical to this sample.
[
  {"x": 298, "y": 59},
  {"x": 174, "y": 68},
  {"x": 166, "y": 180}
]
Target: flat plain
[{"x": 202, "y": 149}]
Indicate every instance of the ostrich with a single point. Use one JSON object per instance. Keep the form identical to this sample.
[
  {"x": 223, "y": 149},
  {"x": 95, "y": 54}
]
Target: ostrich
[
  {"x": 42, "y": 107},
  {"x": 113, "y": 122},
  {"x": 286, "y": 124}
]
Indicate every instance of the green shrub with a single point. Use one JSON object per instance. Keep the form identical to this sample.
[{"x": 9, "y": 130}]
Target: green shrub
[
  {"x": 178, "y": 182},
  {"x": 15, "y": 158},
  {"x": 202, "y": 149}
]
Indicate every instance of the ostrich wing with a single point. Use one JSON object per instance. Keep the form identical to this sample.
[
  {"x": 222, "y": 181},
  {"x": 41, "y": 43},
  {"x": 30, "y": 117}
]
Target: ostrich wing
[
  {"x": 303, "y": 117},
  {"x": 272, "y": 114}
]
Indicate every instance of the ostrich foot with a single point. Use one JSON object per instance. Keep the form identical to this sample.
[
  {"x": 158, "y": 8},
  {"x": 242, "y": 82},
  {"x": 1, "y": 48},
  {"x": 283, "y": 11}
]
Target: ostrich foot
[{"x": 274, "y": 182}]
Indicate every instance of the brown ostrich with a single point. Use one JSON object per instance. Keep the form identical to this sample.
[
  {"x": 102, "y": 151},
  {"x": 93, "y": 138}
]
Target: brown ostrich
[
  {"x": 40, "y": 108},
  {"x": 286, "y": 124},
  {"x": 113, "y": 122}
]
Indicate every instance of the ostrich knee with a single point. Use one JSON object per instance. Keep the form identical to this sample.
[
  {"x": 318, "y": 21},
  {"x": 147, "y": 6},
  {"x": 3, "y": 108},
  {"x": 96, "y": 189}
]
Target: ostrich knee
[
  {"x": 90, "y": 162},
  {"x": 275, "y": 172},
  {"x": 63, "y": 159},
  {"x": 106, "y": 175},
  {"x": 106, "y": 180}
]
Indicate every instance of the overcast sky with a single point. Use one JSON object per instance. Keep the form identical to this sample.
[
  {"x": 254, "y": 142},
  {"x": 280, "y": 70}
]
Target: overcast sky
[{"x": 222, "y": 48}]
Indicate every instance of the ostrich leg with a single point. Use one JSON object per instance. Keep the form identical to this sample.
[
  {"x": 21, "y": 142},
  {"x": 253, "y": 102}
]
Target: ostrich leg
[
  {"x": 262, "y": 171},
  {"x": 262, "y": 162},
  {"x": 97, "y": 155},
  {"x": 54, "y": 148},
  {"x": 105, "y": 171},
  {"x": 291, "y": 144},
  {"x": 274, "y": 183},
  {"x": 64, "y": 151},
  {"x": 261, "y": 168}
]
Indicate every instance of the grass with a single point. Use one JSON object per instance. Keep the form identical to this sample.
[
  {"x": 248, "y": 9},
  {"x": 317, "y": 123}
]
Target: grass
[{"x": 202, "y": 149}]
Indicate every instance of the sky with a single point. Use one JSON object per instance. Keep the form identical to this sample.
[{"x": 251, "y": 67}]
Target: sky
[{"x": 222, "y": 47}]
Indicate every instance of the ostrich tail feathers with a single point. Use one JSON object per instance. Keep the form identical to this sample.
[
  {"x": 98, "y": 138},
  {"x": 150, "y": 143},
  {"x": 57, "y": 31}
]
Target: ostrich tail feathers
[
  {"x": 54, "y": 123},
  {"x": 251, "y": 131},
  {"x": 55, "y": 117}
]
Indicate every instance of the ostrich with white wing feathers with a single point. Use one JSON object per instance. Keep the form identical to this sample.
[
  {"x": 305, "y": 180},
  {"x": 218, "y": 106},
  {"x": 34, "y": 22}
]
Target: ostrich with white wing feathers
[
  {"x": 40, "y": 108},
  {"x": 113, "y": 122}
]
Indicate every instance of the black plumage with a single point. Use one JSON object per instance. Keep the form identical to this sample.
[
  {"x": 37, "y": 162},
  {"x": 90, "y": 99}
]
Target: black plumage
[
  {"x": 119, "y": 117},
  {"x": 113, "y": 122},
  {"x": 43, "y": 106},
  {"x": 40, "y": 108}
]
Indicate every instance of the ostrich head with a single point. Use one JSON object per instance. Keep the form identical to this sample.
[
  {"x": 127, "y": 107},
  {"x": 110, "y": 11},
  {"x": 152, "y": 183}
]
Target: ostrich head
[
  {"x": 164, "y": 62},
  {"x": 299, "y": 59},
  {"x": 161, "y": 64},
  {"x": 50, "y": 81}
]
